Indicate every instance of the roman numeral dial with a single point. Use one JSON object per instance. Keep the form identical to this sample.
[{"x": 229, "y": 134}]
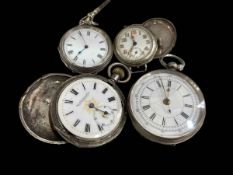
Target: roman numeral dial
[
  {"x": 88, "y": 107},
  {"x": 166, "y": 104},
  {"x": 85, "y": 47}
]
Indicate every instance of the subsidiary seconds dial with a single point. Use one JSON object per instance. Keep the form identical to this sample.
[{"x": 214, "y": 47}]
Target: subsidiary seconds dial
[{"x": 167, "y": 105}]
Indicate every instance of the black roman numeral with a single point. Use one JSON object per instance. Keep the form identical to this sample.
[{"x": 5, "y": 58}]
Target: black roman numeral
[
  {"x": 70, "y": 52},
  {"x": 83, "y": 86},
  {"x": 188, "y": 106},
  {"x": 150, "y": 88},
  {"x": 145, "y": 97},
  {"x": 69, "y": 113},
  {"x": 68, "y": 101},
  {"x": 76, "y": 122},
  {"x": 74, "y": 92},
  {"x": 75, "y": 58},
  {"x": 99, "y": 56},
  {"x": 94, "y": 86},
  {"x": 87, "y": 127},
  {"x": 185, "y": 115},
  {"x": 100, "y": 127},
  {"x": 169, "y": 83},
  {"x": 111, "y": 99},
  {"x": 146, "y": 107},
  {"x": 163, "y": 122},
  {"x": 158, "y": 83},
  {"x": 105, "y": 90},
  {"x": 84, "y": 62},
  {"x": 152, "y": 117}
]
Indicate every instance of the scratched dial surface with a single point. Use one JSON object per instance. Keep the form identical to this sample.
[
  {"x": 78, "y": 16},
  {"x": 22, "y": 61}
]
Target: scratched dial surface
[
  {"x": 89, "y": 108},
  {"x": 166, "y": 104}
]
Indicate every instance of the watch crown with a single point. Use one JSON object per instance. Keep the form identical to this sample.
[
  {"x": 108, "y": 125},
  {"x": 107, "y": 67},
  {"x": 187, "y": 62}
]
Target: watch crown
[{"x": 118, "y": 71}]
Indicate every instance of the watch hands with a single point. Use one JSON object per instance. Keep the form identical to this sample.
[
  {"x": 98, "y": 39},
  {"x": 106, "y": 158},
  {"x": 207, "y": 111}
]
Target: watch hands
[
  {"x": 134, "y": 43},
  {"x": 91, "y": 105},
  {"x": 85, "y": 44},
  {"x": 166, "y": 100},
  {"x": 165, "y": 93},
  {"x": 85, "y": 47},
  {"x": 81, "y": 101}
]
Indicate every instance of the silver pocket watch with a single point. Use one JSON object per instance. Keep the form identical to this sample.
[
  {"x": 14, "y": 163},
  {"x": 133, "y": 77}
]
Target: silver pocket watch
[
  {"x": 86, "y": 48},
  {"x": 165, "y": 105},
  {"x": 138, "y": 44},
  {"x": 135, "y": 45},
  {"x": 89, "y": 110}
]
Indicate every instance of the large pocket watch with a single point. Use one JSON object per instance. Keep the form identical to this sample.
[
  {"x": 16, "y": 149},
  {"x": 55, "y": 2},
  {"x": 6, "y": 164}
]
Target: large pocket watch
[
  {"x": 165, "y": 105},
  {"x": 88, "y": 110},
  {"x": 138, "y": 44},
  {"x": 86, "y": 48}
]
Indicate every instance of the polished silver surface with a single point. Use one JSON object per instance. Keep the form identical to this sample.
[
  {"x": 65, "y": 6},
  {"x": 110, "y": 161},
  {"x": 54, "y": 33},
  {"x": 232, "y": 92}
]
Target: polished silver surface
[
  {"x": 34, "y": 107},
  {"x": 165, "y": 34}
]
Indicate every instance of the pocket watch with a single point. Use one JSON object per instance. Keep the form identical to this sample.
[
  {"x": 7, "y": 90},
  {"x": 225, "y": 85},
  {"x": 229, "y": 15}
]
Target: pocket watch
[
  {"x": 34, "y": 107},
  {"x": 88, "y": 110},
  {"x": 86, "y": 48},
  {"x": 165, "y": 34},
  {"x": 135, "y": 45},
  {"x": 165, "y": 105}
]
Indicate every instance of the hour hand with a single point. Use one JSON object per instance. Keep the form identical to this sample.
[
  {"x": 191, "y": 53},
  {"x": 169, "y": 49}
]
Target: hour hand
[{"x": 81, "y": 101}]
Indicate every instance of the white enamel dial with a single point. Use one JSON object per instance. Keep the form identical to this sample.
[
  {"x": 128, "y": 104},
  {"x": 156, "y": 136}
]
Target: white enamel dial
[
  {"x": 85, "y": 47},
  {"x": 135, "y": 44},
  {"x": 90, "y": 108},
  {"x": 167, "y": 104}
]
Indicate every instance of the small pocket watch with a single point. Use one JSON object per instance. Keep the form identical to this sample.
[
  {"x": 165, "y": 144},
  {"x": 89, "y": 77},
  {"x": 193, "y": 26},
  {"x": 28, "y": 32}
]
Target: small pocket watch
[
  {"x": 135, "y": 45},
  {"x": 88, "y": 110},
  {"x": 166, "y": 106},
  {"x": 86, "y": 48}
]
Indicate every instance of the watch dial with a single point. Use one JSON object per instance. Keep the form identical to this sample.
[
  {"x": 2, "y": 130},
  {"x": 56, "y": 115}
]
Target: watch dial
[
  {"x": 86, "y": 47},
  {"x": 90, "y": 108},
  {"x": 167, "y": 104},
  {"x": 134, "y": 43}
]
